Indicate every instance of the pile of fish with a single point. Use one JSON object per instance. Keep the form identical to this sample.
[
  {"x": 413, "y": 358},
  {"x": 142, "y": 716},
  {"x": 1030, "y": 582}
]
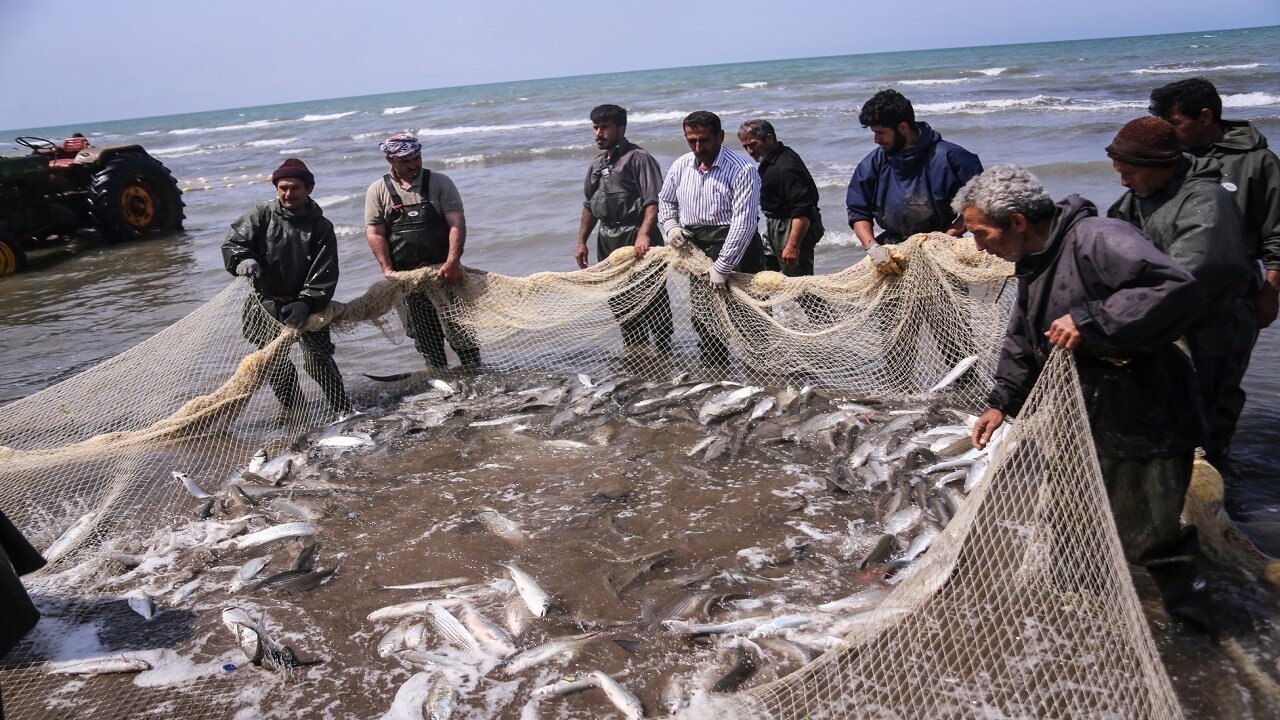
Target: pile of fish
[{"x": 856, "y": 489}]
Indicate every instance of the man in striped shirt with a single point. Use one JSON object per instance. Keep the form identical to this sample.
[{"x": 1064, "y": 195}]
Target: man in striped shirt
[{"x": 711, "y": 200}]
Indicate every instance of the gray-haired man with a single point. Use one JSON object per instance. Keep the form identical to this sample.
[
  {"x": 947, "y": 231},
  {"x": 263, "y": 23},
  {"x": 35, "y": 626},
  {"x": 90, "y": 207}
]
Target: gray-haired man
[{"x": 1100, "y": 288}]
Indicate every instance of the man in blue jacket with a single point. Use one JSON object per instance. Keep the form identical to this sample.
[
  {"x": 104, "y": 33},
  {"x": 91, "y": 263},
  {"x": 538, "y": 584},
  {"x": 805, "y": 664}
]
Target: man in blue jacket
[{"x": 906, "y": 184}]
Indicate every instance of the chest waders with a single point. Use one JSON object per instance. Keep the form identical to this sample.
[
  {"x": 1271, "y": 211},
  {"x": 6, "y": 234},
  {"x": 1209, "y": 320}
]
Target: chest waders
[
  {"x": 712, "y": 314},
  {"x": 418, "y": 235},
  {"x": 620, "y": 212}
]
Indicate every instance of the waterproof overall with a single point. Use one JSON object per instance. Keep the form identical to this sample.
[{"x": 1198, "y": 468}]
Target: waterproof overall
[
  {"x": 317, "y": 354},
  {"x": 703, "y": 303},
  {"x": 17, "y": 558},
  {"x": 620, "y": 213},
  {"x": 418, "y": 236}
]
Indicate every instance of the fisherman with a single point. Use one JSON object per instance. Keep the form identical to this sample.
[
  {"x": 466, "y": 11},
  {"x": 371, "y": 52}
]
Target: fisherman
[
  {"x": 1250, "y": 172},
  {"x": 17, "y": 558},
  {"x": 413, "y": 218},
  {"x": 622, "y": 195},
  {"x": 288, "y": 249},
  {"x": 1177, "y": 202},
  {"x": 789, "y": 199},
  {"x": 906, "y": 184},
  {"x": 1100, "y": 288},
  {"x": 711, "y": 199}
]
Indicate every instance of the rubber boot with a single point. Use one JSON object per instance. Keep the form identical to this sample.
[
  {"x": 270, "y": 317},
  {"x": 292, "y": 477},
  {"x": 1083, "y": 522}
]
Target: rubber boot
[{"x": 1176, "y": 571}]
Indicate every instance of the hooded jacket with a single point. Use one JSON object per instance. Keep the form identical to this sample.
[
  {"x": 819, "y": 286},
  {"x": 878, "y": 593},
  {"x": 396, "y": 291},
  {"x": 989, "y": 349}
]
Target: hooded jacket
[
  {"x": 910, "y": 191},
  {"x": 1196, "y": 222},
  {"x": 1130, "y": 302},
  {"x": 297, "y": 251},
  {"x": 1251, "y": 173}
]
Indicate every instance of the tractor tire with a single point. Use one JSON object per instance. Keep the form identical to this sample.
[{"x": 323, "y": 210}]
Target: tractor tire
[
  {"x": 135, "y": 196},
  {"x": 13, "y": 259}
]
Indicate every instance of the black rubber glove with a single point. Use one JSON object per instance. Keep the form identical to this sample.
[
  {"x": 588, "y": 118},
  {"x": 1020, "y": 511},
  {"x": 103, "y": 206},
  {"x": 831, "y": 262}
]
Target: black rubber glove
[{"x": 294, "y": 314}]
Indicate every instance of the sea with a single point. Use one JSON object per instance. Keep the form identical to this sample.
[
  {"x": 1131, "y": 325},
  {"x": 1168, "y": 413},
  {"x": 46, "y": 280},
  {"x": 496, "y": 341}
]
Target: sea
[{"x": 518, "y": 152}]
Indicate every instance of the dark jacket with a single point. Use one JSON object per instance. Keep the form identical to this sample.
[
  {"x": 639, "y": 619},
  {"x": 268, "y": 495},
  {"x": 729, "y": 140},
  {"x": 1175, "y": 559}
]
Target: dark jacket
[
  {"x": 1254, "y": 173},
  {"x": 17, "y": 558},
  {"x": 1130, "y": 302},
  {"x": 298, "y": 252},
  {"x": 1196, "y": 222},
  {"x": 910, "y": 191}
]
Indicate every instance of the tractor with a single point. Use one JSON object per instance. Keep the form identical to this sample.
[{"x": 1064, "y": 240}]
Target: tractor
[{"x": 49, "y": 195}]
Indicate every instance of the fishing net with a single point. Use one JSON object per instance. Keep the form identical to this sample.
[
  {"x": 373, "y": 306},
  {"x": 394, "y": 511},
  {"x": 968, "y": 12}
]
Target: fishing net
[{"x": 1022, "y": 607}]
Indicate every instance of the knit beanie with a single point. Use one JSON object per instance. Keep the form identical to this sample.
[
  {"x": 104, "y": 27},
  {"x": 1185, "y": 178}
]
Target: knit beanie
[
  {"x": 294, "y": 168},
  {"x": 1146, "y": 141}
]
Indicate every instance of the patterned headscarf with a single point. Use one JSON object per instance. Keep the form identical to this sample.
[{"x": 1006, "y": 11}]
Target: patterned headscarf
[{"x": 401, "y": 145}]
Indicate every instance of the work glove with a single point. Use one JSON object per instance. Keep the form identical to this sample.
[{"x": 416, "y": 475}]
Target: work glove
[
  {"x": 249, "y": 268},
  {"x": 294, "y": 314},
  {"x": 719, "y": 281},
  {"x": 678, "y": 237},
  {"x": 882, "y": 260}
]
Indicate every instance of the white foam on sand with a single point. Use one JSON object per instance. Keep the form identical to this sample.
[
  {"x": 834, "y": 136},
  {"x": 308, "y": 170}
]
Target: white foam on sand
[{"x": 169, "y": 667}]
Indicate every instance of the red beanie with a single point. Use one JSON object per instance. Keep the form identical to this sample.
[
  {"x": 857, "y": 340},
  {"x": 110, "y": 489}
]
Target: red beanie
[
  {"x": 294, "y": 168},
  {"x": 1146, "y": 141}
]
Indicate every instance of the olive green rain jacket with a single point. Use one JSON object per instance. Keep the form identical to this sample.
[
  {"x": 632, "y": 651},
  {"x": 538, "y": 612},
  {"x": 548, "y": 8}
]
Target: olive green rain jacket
[
  {"x": 1251, "y": 173},
  {"x": 1195, "y": 221},
  {"x": 298, "y": 252}
]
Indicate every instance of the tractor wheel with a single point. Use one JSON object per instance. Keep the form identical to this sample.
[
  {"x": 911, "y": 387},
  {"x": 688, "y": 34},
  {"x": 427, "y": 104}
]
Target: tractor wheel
[
  {"x": 12, "y": 257},
  {"x": 134, "y": 196}
]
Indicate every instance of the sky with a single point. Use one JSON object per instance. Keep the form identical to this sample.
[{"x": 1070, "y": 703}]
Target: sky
[{"x": 65, "y": 62}]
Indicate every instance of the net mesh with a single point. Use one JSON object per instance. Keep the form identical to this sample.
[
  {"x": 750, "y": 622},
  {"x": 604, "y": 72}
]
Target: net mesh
[{"x": 1022, "y": 607}]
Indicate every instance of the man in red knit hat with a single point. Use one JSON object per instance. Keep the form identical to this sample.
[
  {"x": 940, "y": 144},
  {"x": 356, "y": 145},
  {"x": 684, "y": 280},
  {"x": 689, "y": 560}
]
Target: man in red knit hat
[{"x": 288, "y": 249}]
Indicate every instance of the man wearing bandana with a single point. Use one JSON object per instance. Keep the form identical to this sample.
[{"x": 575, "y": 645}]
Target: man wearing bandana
[{"x": 413, "y": 217}]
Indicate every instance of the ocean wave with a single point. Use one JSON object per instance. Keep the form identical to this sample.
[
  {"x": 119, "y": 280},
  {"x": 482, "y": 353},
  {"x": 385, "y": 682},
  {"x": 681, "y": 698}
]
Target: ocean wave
[
  {"x": 148, "y": 132},
  {"x": 252, "y": 124},
  {"x": 1192, "y": 68},
  {"x": 330, "y": 116},
  {"x": 655, "y": 117},
  {"x": 1253, "y": 99},
  {"x": 327, "y": 201},
  {"x": 361, "y": 137},
  {"x": 993, "y": 71},
  {"x": 753, "y": 85},
  {"x": 936, "y": 81},
  {"x": 178, "y": 151},
  {"x": 481, "y": 129},
  {"x": 270, "y": 143},
  {"x": 398, "y": 110},
  {"x": 1036, "y": 102},
  {"x": 296, "y": 150}
]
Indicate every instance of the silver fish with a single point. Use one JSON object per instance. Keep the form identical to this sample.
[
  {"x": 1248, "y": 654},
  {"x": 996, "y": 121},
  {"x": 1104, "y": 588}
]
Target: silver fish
[
  {"x": 392, "y": 641},
  {"x": 442, "y": 697},
  {"x": 71, "y": 537},
  {"x": 278, "y": 469},
  {"x": 566, "y": 685},
  {"x": 965, "y": 460},
  {"x": 191, "y": 485},
  {"x": 184, "y": 592},
  {"x": 450, "y": 629},
  {"x": 493, "y": 638},
  {"x": 415, "y": 636},
  {"x": 505, "y": 420},
  {"x": 141, "y": 602},
  {"x": 727, "y": 403},
  {"x": 861, "y": 600},
  {"x": 735, "y": 627},
  {"x": 904, "y": 520},
  {"x": 349, "y": 440},
  {"x": 778, "y": 624},
  {"x": 98, "y": 666},
  {"x": 977, "y": 471},
  {"x": 271, "y": 534},
  {"x": 545, "y": 652},
  {"x": 622, "y": 698},
  {"x": 258, "y": 460},
  {"x": 538, "y": 600},
  {"x": 410, "y": 702},
  {"x": 921, "y": 542},
  {"x": 585, "y": 380},
  {"x": 248, "y": 637},
  {"x": 960, "y": 369},
  {"x": 502, "y": 526},
  {"x": 429, "y": 584}
]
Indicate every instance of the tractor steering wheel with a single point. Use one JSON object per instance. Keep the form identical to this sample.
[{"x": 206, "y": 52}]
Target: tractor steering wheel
[{"x": 36, "y": 143}]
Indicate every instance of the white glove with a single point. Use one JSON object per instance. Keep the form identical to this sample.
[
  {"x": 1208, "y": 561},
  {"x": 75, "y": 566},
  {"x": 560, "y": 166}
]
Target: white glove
[
  {"x": 678, "y": 237},
  {"x": 719, "y": 281},
  {"x": 882, "y": 259}
]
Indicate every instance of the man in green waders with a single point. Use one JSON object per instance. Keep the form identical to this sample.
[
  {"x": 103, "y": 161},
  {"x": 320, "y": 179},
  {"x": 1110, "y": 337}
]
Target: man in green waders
[
  {"x": 288, "y": 249},
  {"x": 711, "y": 199},
  {"x": 413, "y": 217},
  {"x": 622, "y": 196}
]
